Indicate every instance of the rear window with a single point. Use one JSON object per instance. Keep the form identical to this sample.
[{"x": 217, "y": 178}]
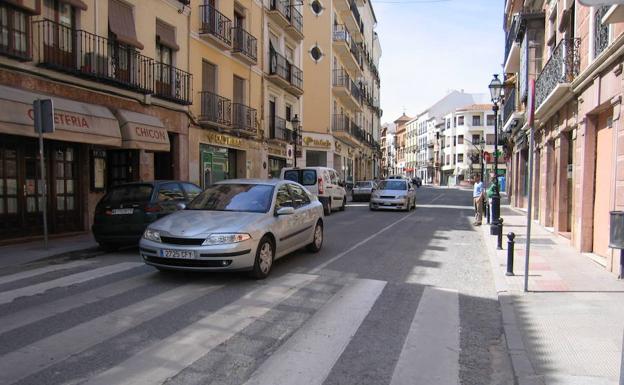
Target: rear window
[
  {"x": 363, "y": 184},
  {"x": 128, "y": 194},
  {"x": 304, "y": 177}
]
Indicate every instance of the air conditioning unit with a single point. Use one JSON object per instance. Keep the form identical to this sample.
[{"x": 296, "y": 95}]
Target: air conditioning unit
[{"x": 95, "y": 64}]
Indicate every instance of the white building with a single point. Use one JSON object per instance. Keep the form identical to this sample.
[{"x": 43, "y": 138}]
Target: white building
[{"x": 468, "y": 131}]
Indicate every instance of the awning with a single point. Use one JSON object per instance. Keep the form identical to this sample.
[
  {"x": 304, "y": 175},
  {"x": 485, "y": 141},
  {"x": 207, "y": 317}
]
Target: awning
[
  {"x": 166, "y": 35},
  {"x": 74, "y": 121},
  {"x": 28, "y": 6},
  {"x": 141, "y": 131},
  {"x": 121, "y": 23}
]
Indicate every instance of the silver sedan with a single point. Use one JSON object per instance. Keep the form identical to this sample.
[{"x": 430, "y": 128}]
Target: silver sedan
[
  {"x": 394, "y": 194},
  {"x": 233, "y": 225}
]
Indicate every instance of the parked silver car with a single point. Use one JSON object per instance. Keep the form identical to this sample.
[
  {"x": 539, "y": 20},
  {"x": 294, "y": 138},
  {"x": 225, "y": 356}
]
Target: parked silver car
[
  {"x": 363, "y": 190},
  {"x": 237, "y": 224},
  {"x": 395, "y": 194}
]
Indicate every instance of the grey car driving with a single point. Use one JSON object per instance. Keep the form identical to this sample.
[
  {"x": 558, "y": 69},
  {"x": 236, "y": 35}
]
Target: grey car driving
[{"x": 236, "y": 225}]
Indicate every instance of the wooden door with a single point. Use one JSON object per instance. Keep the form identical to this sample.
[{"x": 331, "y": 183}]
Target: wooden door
[
  {"x": 603, "y": 179},
  {"x": 64, "y": 186}
]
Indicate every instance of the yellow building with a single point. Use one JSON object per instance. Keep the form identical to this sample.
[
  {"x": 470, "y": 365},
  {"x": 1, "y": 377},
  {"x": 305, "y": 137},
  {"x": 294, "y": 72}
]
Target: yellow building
[
  {"x": 225, "y": 55},
  {"x": 341, "y": 105},
  {"x": 117, "y": 73}
]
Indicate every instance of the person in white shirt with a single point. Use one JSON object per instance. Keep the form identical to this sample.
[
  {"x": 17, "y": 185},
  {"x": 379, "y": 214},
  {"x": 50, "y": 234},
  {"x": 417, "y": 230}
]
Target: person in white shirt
[{"x": 477, "y": 196}]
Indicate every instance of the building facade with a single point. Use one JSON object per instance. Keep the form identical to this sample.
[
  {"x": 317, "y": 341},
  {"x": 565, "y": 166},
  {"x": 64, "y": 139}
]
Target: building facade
[
  {"x": 574, "y": 54},
  {"x": 467, "y": 145},
  {"x": 342, "y": 119},
  {"x": 121, "y": 97}
]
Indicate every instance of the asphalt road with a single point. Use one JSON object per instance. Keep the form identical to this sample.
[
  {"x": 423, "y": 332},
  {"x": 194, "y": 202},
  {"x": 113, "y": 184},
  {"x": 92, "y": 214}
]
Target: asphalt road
[{"x": 393, "y": 298}]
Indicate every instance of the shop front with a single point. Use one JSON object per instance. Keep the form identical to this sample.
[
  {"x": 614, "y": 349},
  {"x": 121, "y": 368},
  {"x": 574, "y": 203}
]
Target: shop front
[
  {"x": 277, "y": 159},
  {"x": 318, "y": 150}
]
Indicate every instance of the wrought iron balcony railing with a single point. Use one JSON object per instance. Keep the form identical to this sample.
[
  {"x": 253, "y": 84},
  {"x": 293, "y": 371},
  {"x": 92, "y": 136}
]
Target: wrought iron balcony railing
[
  {"x": 509, "y": 107},
  {"x": 562, "y": 67},
  {"x": 296, "y": 19},
  {"x": 84, "y": 54},
  {"x": 245, "y": 43},
  {"x": 87, "y": 55},
  {"x": 215, "y": 109},
  {"x": 215, "y": 23},
  {"x": 278, "y": 130},
  {"x": 341, "y": 123},
  {"x": 280, "y": 66},
  {"x": 172, "y": 83},
  {"x": 244, "y": 118},
  {"x": 511, "y": 35},
  {"x": 601, "y": 31},
  {"x": 341, "y": 78},
  {"x": 341, "y": 33},
  {"x": 356, "y": 14},
  {"x": 282, "y": 7},
  {"x": 356, "y": 92}
]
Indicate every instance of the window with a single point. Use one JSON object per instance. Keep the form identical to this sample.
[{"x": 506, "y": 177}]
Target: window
[
  {"x": 283, "y": 198},
  {"x": 170, "y": 192},
  {"x": 476, "y": 139},
  {"x": 317, "y": 7},
  {"x": 460, "y": 139},
  {"x": 300, "y": 197},
  {"x": 448, "y": 160},
  {"x": 460, "y": 120},
  {"x": 460, "y": 158},
  {"x": 288, "y": 112},
  {"x": 448, "y": 123},
  {"x": 14, "y": 32},
  {"x": 489, "y": 139},
  {"x": 476, "y": 120},
  {"x": 316, "y": 53},
  {"x": 490, "y": 120}
]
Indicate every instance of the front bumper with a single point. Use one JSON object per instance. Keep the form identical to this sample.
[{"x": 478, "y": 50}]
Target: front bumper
[
  {"x": 231, "y": 257},
  {"x": 389, "y": 204}
]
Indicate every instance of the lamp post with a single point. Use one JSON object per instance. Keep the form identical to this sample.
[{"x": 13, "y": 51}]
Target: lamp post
[
  {"x": 496, "y": 88},
  {"x": 295, "y": 126}
]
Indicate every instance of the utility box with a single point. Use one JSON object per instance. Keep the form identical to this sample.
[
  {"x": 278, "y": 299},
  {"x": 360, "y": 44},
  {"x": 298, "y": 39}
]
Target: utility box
[{"x": 616, "y": 236}]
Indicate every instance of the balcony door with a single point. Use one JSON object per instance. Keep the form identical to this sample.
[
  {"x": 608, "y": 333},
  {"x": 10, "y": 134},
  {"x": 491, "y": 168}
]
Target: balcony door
[
  {"x": 210, "y": 100},
  {"x": 59, "y": 34},
  {"x": 272, "y": 118}
]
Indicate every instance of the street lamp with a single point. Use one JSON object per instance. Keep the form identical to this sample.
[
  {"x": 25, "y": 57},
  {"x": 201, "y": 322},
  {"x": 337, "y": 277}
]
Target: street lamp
[
  {"x": 496, "y": 88},
  {"x": 295, "y": 126}
]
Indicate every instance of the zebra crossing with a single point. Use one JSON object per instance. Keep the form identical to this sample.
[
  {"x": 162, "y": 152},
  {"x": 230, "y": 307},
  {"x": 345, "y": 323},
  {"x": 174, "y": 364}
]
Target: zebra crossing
[{"x": 184, "y": 329}]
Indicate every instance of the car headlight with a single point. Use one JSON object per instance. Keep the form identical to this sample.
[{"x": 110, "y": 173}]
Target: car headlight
[
  {"x": 225, "y": 238},
  {"x": 152, "y": 235}
]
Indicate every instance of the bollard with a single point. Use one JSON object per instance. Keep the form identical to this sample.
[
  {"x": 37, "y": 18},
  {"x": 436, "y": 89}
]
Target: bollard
[
  {"x": 510, "y": 253},
  {"x": 499, "y": 240}
]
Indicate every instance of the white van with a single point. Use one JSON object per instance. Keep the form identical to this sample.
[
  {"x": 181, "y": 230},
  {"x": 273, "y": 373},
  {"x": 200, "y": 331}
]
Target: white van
[{"x": 322, "y": 182}]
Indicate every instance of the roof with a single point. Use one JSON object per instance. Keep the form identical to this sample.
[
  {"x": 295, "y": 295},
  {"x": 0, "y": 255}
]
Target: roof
[{"x": 403, "y": 118}]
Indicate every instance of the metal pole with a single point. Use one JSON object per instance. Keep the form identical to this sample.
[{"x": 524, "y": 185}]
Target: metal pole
[
  {"x": 529, "y": 209},
  {"x": 44, "y": 209}
]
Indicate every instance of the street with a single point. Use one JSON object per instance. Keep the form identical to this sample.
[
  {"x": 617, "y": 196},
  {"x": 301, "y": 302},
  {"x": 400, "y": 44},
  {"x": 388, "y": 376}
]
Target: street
[{"x": 392, "y": 298}]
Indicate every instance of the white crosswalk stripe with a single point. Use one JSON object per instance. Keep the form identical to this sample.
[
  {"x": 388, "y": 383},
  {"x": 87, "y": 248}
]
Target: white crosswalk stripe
[
  {"x": 48, "y": 309},
  {"x": 53, "y": 349},
  {"x": 170, "y": 356},
  {"x": 43, "y": 270},
  {"x": 9, "y": 296},
  {"x": 308, "y": 356},
  {"x": 431, "y": 350}
]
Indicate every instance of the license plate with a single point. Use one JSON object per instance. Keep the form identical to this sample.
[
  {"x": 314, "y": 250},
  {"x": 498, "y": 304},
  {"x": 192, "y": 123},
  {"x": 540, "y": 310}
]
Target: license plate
[
  {"x": 387, "y": 204},
  {"x": 180, "y": 254},
  {"x": 122, "y": 211}
]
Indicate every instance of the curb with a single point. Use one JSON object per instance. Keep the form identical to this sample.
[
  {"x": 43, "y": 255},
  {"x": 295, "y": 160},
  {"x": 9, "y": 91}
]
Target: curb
[
  {"x": 90, "y": 252},
  {"x": 524, "y": 373}
]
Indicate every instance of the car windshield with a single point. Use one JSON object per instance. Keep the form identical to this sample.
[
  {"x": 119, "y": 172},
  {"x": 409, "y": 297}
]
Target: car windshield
[
  {"x": 128, "y": 194},
  {"x": 363, "y": 184},
  {"x": 393, "y": 185},
  {"x": 254, "y": 198}
]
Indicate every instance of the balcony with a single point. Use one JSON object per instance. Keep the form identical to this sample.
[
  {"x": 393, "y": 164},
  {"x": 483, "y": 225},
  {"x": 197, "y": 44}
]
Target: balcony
[
  {"x": 285, "y": 74},
  {"x": 93, "y": 57},
  {"x": 295, "y": 27},
  {"x": 509, "y": 106},
  {"x": 244, "y": 119},
  {"x": 245, "y": 46},
  {"x": 278, "y": 130},
  {"x": 522, "y": 21},
  {"x": 346, "y": 90},
  {"x": 215, "y": 27},
  {"x": 216, "y": 111},
  {"x": 342, "y": 128},
  {"x": 352, "y": 19},
  {"x": 553, "y": 88},
  {"x": 342, "y": 45}
]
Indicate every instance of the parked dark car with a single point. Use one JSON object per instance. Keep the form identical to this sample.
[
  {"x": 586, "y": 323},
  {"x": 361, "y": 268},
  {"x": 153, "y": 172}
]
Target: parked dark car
[
  {"x": 123, "y": 214},
  {"x": 416, "y": 181}
]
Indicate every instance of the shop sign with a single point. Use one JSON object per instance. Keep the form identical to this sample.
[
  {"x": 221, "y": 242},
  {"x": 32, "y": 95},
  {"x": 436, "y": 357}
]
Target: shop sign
[
  {"x": 312, "y": 142},
  {"x": 65, "y": 120},
  {"x": 337, "y": 148},
  {"x": 223, "y": 140},
  {"x": 277, "y": 151}
]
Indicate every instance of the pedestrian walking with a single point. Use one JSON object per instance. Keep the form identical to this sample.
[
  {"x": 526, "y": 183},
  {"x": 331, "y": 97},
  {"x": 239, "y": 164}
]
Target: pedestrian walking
[{"x": 477, "y": 195}]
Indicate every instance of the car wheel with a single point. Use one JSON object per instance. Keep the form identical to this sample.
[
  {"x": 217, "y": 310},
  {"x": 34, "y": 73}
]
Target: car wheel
[
  {"x": 109, "y": 247},
  {"x": 264, "y": 259},
  {"x": 317, "y": 242},
  {"x": 344, "y": 204}
]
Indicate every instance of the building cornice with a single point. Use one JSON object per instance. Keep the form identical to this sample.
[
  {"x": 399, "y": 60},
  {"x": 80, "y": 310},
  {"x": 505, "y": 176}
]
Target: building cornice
[{"x": 607, "y": 58}]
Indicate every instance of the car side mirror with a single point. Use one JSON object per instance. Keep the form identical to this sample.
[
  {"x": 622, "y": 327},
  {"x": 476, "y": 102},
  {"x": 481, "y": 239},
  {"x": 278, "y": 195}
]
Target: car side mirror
[
  {"x": 285, "y": 211},
  {"x": 180, "y": 206}
]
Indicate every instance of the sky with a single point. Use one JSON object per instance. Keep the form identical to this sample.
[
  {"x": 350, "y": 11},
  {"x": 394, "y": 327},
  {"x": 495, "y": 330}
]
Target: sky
[{"x": 430, "y": 47}]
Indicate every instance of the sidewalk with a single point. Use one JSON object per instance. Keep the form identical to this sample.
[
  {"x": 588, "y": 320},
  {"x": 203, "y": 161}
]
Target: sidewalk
[
  {"x": 20, "y": 253},
  {"x": 568, "y": 328}
]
